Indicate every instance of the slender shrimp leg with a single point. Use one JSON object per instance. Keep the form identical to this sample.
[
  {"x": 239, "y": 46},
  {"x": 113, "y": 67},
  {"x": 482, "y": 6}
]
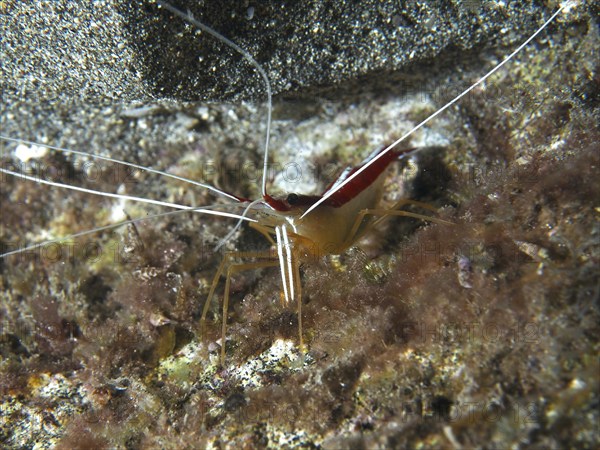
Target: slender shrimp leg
[
  {"x": 264, "y": 230},
  {"x": 232, "y": 269},
  {"x": 384, "y": 213},
  {"x": 289, "y": 264},
  {"x": 394, "y": 211}
]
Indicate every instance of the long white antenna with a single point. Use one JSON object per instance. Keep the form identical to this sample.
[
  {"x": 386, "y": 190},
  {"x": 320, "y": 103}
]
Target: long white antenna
[
  {"x": 208, "y": 209},
  {"x": 120, "y": 196},
  {"x": 190, "y": 19},
  {"x": 435, "y": 114},
  {"x": 125, "y": 163}
]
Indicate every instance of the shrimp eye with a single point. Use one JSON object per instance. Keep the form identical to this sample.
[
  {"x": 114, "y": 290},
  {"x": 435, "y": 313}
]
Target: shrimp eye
[{"x": 292, "y": 199}]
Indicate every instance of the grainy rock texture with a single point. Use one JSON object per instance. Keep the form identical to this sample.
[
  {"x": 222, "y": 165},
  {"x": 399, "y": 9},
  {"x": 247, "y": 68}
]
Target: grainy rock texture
[
  {"x": 105, "y": 51},
  {"x": 317, "y": 44},
  {"x": 479, "y": 335}
]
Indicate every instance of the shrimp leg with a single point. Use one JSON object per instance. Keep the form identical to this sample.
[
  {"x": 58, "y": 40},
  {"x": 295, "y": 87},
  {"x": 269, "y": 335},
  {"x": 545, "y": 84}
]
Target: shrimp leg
[{"x": 384, "y": 213}]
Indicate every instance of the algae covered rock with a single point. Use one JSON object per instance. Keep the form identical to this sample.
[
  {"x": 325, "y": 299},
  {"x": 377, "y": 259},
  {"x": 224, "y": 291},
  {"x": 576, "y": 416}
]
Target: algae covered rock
[{"x": 479, "y": 334}]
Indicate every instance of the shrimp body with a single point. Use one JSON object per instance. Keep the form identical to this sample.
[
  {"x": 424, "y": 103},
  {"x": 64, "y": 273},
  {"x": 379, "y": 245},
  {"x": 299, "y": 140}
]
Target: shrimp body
[
  {"x": 337, "y": 223},
  {"x": 332, "y": 227}
]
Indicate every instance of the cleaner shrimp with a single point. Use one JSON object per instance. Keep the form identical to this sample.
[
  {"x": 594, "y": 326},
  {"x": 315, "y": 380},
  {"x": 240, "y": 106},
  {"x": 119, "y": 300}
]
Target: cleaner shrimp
[{"x": 298, "y": 226}]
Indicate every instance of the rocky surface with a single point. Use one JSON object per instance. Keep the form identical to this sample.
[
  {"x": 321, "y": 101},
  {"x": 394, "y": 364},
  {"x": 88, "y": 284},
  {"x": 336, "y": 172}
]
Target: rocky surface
[
  {"x": 482, "y": 334},
  {"x": 127, "y": 51}
]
